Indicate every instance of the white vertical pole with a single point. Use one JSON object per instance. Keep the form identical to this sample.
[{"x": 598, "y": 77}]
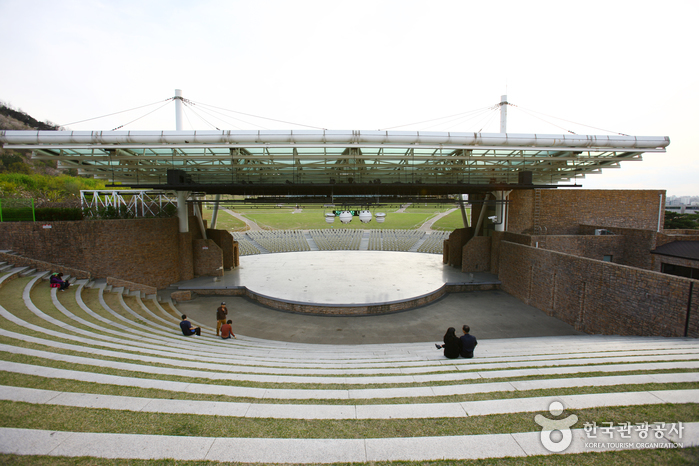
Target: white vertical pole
[
  {"x": 182, "y": 211},
  {"x": 464, "y": 218},
  {"x": 500, "y": 209},
  {"x": 200, "y": 219},
  {"x": 178, "y": 109},
  {"x": 214, "y": 215},
  {"x": 503, "y": 113}
]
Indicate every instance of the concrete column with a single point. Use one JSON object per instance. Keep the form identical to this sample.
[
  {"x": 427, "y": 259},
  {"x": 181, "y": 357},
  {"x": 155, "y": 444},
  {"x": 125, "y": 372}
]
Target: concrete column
[
  {"x": 182, "y": 213},
  {"x": 503, "y": 114},
  {"x": 178, "y": 109},
  {"x": 482, "y": 214},
  {"x": 214, "y": 215},
  {"x": 463, "y": 211},
  {"x": 500, "y": 210},
  {"x": 200, "y": 219}
]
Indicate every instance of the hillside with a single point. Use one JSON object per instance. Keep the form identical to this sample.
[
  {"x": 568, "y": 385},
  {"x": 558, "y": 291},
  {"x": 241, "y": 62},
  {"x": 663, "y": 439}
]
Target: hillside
[
  {"x": 22, "y": 177},
  {"x": 14, "y": 161}
]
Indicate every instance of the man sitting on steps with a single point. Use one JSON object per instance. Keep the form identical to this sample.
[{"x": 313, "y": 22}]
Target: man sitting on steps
[
  {"x": 468, "y": 343},
  {"x": 187, "y": 328}
]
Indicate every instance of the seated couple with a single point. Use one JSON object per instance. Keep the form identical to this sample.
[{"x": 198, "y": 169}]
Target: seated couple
[
  {"x": 56, "y": 281},
  {"x": 458, "y": 346}
]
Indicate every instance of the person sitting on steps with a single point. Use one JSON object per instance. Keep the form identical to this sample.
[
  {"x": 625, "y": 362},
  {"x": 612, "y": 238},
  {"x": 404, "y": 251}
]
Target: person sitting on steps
[
  {"x": 468, "y": 343},
  {"x": 187, "y": 328},
  {"x": 227, "y": 330},
  {"x": 452, "y": 344},
  {"x": 56, "y": 281}
]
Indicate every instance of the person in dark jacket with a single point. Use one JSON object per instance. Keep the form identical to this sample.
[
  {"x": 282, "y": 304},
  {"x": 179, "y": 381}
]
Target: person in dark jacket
[
  {"x": 221, "y": 314},
  {"x": 57, "y": 281},
  {"x": 187, "y": 328},
  {"x": 468, "y": 342},
  {"x": 452, "y": 344}
]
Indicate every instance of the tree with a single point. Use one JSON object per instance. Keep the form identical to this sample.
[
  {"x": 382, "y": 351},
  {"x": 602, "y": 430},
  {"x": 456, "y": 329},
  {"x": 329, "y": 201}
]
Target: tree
[{"x": 675, "y": 221}]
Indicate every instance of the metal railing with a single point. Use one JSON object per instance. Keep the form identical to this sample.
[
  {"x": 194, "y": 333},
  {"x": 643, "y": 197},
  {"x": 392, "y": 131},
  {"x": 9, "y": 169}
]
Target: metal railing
[{"x": 127, "y": 203}]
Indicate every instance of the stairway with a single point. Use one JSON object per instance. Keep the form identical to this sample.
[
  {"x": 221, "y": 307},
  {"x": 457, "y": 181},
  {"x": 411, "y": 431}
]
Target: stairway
[{"x": 94, "y": 372}]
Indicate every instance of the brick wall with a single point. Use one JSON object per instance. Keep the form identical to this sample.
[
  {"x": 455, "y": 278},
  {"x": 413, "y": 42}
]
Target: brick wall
[
  {"x": 185, "y": 259},
  {"x": 455, "y": 244},
  {"x": 520, "y": 214},
  {"x": 596, "y": 296},
  {"x": 224, "y": 240},
  {"x": 115, "y": 282},
  {"x": 562, "y": 210},
  {"x": 496, "y": 240},
  {"x": 19, "y": 261},
  {"x": 668, "y": 236},
  {"x": 150, "y": 251},
  {"x": 658, "y": 261},
  {"x": 693, "y": 322},
  {"x": 592, "y": 247},
  {"x": 476, "y": 255},
  {"x": 637, "y": 243},
  {"x": 208, "y": 258}
]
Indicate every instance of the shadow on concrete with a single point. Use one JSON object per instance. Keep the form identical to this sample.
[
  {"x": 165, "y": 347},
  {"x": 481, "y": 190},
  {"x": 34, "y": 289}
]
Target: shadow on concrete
[{"x": 490, "y": 314}]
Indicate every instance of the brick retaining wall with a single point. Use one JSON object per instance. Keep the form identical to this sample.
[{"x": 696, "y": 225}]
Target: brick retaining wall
[
  {"x": 596, "y": 296},
  {"x": 115, "y": 282},
  {"x": 19, "y": 261},
  {"x": 592, "y": 247},
  {"x": 149, "y": 251},
  {"x": 476, "y": 255},
  {"x": 562, "y": 210}
]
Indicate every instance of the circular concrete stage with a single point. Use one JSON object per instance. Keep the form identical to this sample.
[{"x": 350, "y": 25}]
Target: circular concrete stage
[{"x": 342, "y": 282}]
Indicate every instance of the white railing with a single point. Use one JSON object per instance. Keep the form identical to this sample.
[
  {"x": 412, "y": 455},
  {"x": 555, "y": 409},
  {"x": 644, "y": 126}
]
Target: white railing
[{"x": 127, "y": 202}]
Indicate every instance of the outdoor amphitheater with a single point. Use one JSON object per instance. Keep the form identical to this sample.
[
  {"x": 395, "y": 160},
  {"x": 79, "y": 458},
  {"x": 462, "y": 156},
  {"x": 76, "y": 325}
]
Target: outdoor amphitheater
[
  {"x": 103, "y": 372},
  {"x": 586, "y": 353}
]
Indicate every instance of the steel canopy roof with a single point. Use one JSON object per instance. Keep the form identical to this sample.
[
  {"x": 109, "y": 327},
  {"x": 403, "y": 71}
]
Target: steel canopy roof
[{"x": 319, "y": 162}]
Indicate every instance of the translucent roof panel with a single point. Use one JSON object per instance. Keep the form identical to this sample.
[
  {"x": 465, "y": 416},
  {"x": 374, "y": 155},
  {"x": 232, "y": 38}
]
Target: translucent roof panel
[{"x": 360, "y": 162}]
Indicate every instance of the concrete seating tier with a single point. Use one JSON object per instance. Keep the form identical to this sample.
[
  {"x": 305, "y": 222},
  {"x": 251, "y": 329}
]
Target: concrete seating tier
[
  {"x": 434, "y": 242},
  {"x": 337, "y": 240},
  {"x": 245, "y": 246},
  {"x": 280, "y": 240},
  {"x": 256, "y": 242},
  {"x": 394, "y": 240},
  {"x": 103, "y": 349}
]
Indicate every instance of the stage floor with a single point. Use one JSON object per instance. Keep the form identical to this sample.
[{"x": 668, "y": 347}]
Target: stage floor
[{"x": 327, "y": 278}]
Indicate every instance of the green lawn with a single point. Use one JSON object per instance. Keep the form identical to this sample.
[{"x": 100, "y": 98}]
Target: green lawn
[
  {"x": 313, "y": 218},
  {"x": 225, "y": 221},
  {"x": 452, "y": 221}
]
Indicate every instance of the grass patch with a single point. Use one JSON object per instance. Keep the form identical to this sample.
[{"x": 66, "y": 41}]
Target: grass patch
[
  {"x": 452, "y": 221},
  {"x": 313, "y": 219},
  {"x": 680, "y": 457},
  {"x": 67, "y": 418},
  {"x": 76, "y": 386},
  {"x": 224, "y": 221},
  {"x": 98, "y": 369}
]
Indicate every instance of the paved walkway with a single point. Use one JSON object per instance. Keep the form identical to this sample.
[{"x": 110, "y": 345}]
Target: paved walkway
[
  {"x": 427, "y": 226},
  {"x": 499, "y": 367},
  {"x": 342, "y": 412},
  {"x": 490, "y": 314},
  {"x": 252, "y": 226},
  {"x": 266, "y": 450}
]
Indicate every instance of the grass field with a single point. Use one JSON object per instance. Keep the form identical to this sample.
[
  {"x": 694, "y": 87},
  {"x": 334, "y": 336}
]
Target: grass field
[{"x": 312, "y": 217}]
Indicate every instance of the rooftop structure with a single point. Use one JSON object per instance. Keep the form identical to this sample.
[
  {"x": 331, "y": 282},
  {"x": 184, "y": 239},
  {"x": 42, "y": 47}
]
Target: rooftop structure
[{"x": 324, "y": 162}]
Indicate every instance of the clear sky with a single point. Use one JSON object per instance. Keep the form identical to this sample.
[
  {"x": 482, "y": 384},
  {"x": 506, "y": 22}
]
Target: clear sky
[{"x": 626, "y": 67}]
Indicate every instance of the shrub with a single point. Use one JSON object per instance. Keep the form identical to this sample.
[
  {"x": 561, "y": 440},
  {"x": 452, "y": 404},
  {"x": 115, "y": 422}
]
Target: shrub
[{"x": 46, "y": 214}]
